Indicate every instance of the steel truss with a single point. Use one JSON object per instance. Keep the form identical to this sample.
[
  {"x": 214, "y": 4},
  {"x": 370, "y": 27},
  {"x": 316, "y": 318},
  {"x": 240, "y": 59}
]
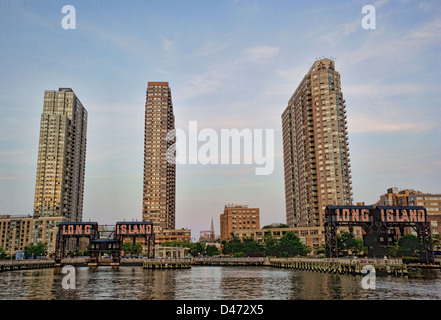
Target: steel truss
[
  {"x": 373, "y": 227},
  {"x": 71, "y": 231},
  {"x": 63, "y": 237}
]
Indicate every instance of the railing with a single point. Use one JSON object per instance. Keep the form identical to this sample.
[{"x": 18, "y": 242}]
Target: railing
[
  {"x": 166, "y": 260},
  {"x": 9, "y": 265},
  {"x": 378, "y": 261},
  {"x": 24, "y": 261},
  {"x": 167, "y": 263},
  {"x": 230, "y": 260}
]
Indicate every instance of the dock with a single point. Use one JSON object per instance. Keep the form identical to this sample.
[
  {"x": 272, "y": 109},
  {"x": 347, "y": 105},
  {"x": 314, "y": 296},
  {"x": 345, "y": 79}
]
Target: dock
[
  {"x": 10, "y": 265},
  {"x": 383, "y": 267},
  {"x": 226, "y": 261},
  {"x": 343, "y": 266},
  {"x": 167, "y": 263}
]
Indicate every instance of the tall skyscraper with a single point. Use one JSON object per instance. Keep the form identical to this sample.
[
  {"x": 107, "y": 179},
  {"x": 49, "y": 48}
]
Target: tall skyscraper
[
  {"x": 315, "y": 147},
  {"x": 159, "y": 162},
  {"x": 59, "y": 186}
]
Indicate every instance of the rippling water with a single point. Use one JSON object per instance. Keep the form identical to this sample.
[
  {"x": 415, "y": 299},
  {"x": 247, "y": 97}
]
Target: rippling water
[{"x": 212, "y": 283}]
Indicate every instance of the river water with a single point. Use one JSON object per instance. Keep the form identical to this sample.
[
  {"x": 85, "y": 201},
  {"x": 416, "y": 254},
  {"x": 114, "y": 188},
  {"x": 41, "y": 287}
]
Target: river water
[{"x": 212, "y": 283}]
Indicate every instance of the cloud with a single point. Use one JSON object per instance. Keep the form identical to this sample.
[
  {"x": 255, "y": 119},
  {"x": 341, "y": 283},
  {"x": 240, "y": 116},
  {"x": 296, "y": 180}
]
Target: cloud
[
  {"x": 122, "y": 41},
  {"x": 379, "y": 107},
  {"x": 427, "y": 34},
  {"x": 382, "y": 46},
  {"x": 222, "y": 73},
  {"x": 390, "y": 89},
  {"x": 167, "y": 45},
  {"x": 204, "y": 83},
  {"x": 260, "y": 54},
  {"x": 212, "y": 47},
  {"x": 425, "y": 6},
  {"x": 378, "y": 123}
]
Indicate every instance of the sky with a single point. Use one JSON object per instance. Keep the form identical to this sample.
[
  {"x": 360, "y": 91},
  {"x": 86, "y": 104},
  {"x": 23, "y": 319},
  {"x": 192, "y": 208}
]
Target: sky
[{"x": 231, "y": 64}]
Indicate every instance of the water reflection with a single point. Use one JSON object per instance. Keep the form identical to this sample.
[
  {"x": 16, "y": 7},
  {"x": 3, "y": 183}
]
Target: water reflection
[{"x": 211, "y": 283}]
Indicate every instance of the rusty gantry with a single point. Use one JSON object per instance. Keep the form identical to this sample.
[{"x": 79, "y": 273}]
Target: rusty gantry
[
  {"x": 377, "y": 224},
  {"x": 104, "y": 240}
]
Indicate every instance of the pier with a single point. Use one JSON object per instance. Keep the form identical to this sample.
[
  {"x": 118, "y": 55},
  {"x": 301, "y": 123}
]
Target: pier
[
  {"x": 350, "y": 266},
  {"x": 10, "y": 265},
  {"x": 167, "y": 263},
  {"x": 226, "y": 261},
  {"x": 343, "y": 266}
]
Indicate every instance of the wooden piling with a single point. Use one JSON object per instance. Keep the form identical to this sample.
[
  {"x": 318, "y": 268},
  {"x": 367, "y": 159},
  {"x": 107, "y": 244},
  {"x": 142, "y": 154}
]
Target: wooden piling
[{"x": 338, "y": 266}]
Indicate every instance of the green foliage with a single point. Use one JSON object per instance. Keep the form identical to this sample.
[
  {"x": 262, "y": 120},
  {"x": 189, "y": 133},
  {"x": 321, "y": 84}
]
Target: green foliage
[
  {"x": 280, "y": 225},
  {"x": 211, "y": 250},
  {"x": 232, "y": 246},
  {"x": 409, "y": 246},
  {"x": 270, "y": 245},
  {"x": 347, "y": 242},
  {"x": 3, "y": 254},
  {"x": 408, "y": 260},
  {"x": 195, "y": 249},
  {"x": 176, "y": 243},
  {"x": 35, "y": 250},
  {"x": 436, "y": 241},
  {"x": 132, "y": 248},
  {"x": 74, "y": 253},
  {"x": 288, "y": 246},
  {"x": 393, "y": 251},
  {"x": 240, "y": 255},
  {"x": 321, "y": 249}
]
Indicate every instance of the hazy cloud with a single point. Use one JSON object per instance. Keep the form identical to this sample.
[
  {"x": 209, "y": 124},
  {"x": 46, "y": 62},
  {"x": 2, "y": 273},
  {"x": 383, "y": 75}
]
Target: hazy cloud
[{"x": 260, "y": 54}]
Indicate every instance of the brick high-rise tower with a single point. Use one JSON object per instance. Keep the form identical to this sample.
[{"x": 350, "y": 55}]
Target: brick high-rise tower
[
  {"x": 159, "y": 163},
  {"x": 315, "y": 147}
]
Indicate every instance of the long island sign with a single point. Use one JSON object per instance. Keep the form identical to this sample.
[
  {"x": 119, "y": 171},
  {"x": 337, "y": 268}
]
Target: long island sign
[
  {"x": 91, "y": 228},
  {"x": 366, "y": 214},
  {"x": 134, "y": 228}
]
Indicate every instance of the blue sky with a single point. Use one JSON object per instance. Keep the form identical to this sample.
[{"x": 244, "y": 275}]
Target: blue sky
[{"x": 230, "y": 64}]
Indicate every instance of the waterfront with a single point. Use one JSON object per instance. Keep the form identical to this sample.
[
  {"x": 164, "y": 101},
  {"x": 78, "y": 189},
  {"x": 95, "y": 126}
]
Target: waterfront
[{"x": 213, "y": 283}]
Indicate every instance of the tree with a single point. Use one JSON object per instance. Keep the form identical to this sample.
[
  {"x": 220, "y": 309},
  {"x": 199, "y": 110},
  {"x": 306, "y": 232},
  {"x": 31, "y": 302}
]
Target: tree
[
  {"x": 321, "y": 249},
  {"x": 251, "y": 247},
  {"x": 275, "y": 225},
  {"x": 3, "y": 254},
  {"x": 436, "y": 241},
  {"x": 231, "y": 246},
  {"x": 197, "y": 248},
  {"x": 409, "y": 246},
  {"x": 211, "y": 250},
  {"x": 290, "y": 245},
  {"x": 347, "y": 242},
  {"x": 35, "y": 250},
  {"x": 177, "y": 243},
  {"x": 132, "y": 248},
  {"x": 247, "y": 247},
  {"x": 270, "y": 245}
]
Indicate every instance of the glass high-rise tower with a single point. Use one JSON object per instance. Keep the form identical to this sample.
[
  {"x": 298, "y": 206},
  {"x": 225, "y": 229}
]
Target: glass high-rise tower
[
  {"x": 59, "y": 186},
  {"x": 315, "y": 147}
]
